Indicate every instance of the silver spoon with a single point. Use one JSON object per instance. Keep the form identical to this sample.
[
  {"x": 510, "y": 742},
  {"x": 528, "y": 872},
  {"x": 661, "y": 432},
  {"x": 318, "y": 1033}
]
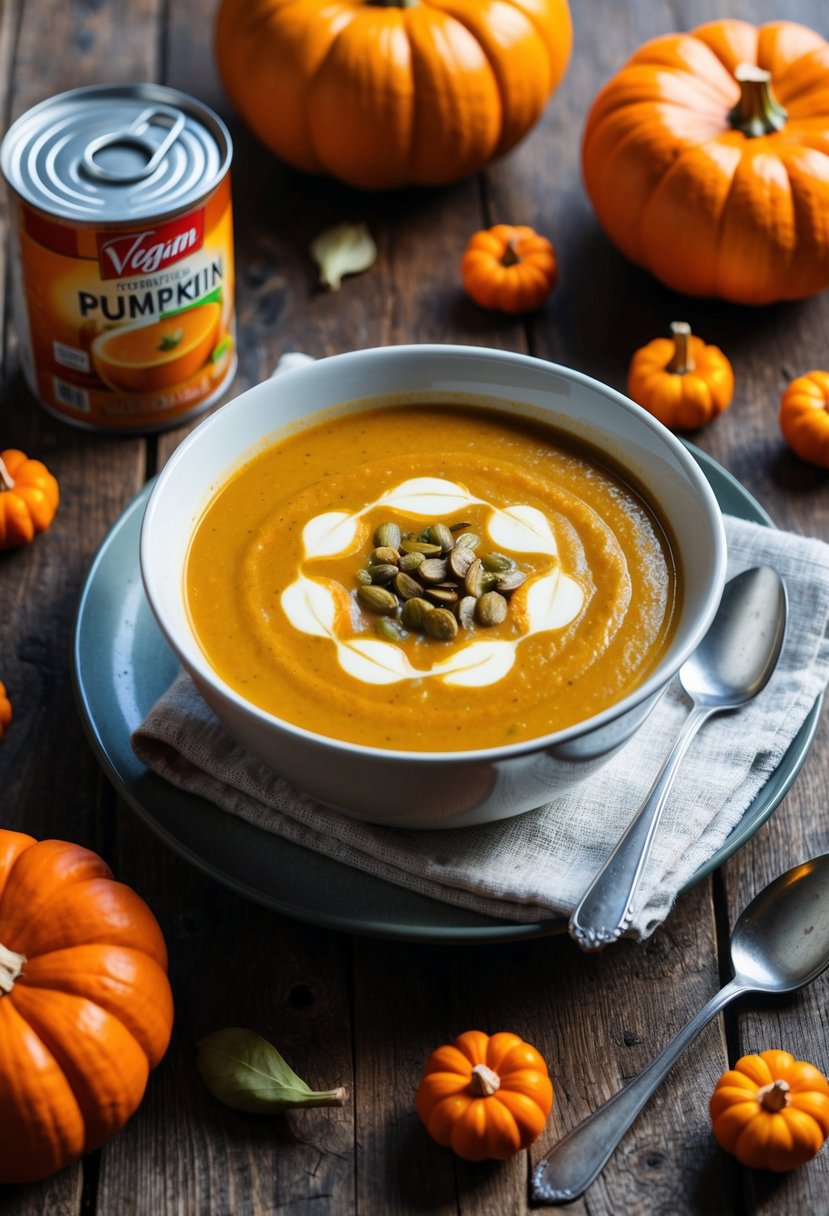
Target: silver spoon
[
  {"x": 780, "y": 943},
  {"x": 730, "y": 666}
]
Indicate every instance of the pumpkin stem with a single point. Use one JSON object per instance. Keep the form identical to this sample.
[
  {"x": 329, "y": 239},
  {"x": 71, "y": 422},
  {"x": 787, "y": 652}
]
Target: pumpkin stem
[
  {"x": 6, "y": 479},
  {"x": 510, "y": 257},
  {"x": 11, "y": 965},
  {"x": 774, "y": 1097},
  {"x": 484, "y": 1082},
  {"x": 681, "y": 361},
  {"x": 758, "y": 112}
]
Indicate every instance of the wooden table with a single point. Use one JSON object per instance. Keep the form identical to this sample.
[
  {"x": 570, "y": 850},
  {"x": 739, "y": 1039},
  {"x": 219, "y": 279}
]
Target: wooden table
[{"x": 357, "y": 1011}]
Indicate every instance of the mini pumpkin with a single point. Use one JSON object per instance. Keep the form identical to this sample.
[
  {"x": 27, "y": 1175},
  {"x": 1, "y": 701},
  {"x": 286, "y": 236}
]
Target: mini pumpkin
[
  {"x": 771, "y": 1111},
  {"x": 85, "y": 1005},
  {"x": 680, "y": 380},
  {"x": 804, "y": 417},
  {"x": 29, "y": 498},
  {"x": 509, "y": 268},
  {"x": 389, "y": 93},
  {"x": 721, "y": 138},
  {"x": 485, "y": 1096},
  {"x": 5, "y": 710}
]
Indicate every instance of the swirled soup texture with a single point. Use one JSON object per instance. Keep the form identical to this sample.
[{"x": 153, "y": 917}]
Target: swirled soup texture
[{"x": 272, "y": 582}]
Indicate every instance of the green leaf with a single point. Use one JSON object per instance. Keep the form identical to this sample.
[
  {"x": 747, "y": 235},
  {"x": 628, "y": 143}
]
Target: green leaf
[
  {"x": 246, "y": 1072},
  {"x": 171, "y": 339}
]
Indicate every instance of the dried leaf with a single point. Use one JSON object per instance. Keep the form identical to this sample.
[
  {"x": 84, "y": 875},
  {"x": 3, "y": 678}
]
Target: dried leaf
[
  {"x": 246, "y": 1072},
  {"x": 341, "y": 250}
]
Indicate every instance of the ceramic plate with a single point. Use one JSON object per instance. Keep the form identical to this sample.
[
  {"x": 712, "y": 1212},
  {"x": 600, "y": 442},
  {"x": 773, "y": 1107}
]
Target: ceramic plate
[{"x": 121, "y": 665}]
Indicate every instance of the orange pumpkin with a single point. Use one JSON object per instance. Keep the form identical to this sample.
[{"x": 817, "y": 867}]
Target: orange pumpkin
[
  {"x": 771, "y": 1111},
  {"x": 721, "y": 140},
  {"x": 680, "y": 380},
  {"x": 511, "y": 269},
  {"x": 5, "y": 710},
  {"x": 804, "y": 417},
  {"x": 28, "y": 498},
  {"x": 388, "y": 93},
  {"x": 485, "y": 1096},
  {"x": 85, "y": 1004}
]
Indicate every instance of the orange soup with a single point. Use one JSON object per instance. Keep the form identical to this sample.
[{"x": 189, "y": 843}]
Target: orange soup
[{"x": 431, "y": 578}]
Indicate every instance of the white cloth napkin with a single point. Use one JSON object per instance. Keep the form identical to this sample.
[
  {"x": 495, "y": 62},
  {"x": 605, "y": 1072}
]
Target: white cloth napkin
[{"x": 537, "y": 866}]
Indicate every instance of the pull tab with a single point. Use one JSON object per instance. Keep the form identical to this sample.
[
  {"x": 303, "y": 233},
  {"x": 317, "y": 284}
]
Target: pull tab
[{"x": 130, "y": 155}]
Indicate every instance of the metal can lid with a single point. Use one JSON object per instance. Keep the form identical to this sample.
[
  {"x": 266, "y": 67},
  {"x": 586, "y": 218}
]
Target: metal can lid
[{"x": 116, "y": 153}]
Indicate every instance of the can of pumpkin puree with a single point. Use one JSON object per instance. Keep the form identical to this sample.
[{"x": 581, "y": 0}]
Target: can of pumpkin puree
[{"x": 122, "y": 255}]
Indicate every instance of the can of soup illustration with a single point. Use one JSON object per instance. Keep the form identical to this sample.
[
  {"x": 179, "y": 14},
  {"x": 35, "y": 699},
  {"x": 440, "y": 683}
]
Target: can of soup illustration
[{"x": 122, "y": 255}]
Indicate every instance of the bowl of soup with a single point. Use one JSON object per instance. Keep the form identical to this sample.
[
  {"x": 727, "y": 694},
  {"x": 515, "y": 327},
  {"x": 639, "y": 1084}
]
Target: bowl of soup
[{"x": 432, "y": 586}]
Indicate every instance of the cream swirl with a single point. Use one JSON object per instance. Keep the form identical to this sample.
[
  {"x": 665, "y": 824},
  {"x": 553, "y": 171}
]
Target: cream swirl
[{"x": 549, "y": 600}]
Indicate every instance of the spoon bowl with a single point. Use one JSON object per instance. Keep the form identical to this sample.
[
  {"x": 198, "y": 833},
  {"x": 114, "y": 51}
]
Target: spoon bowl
[
  {"x": 781, "y": 940},
  {"x": 738, "y": 654}
]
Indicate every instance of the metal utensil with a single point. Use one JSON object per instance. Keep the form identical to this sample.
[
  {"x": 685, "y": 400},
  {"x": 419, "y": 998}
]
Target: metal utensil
[
  {"x": 779, "y": 943},
  {"x": 730, "y": 666}
]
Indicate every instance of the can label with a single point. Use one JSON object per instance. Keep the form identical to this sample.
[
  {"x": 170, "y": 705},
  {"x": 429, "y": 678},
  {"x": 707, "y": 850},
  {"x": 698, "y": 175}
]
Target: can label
[{"x": 129, "y": 325}]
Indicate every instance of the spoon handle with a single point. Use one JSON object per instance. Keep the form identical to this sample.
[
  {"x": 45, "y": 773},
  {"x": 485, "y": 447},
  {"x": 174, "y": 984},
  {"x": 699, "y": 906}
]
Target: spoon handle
[
  {"x": 571, "y": 1165},
  {"x": 603, "y": 913}
]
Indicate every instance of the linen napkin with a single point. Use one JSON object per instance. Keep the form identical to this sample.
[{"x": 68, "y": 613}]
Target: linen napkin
[{"x": 537, "y": 865}]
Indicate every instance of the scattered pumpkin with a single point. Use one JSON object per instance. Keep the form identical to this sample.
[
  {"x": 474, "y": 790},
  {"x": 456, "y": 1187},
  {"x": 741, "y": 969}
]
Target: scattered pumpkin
[
  {"x": 508, "y": 268},
  {"x": 680, "y": 380},
  {"x": 5, "y": 710},
  {"x": 389, "y": 93},
  {"x": 721, "y": 137},
  {"x": 804, "y": 417},
  {"x": 771, "y": 1111},
  {"x": 485, "y": 1096},
  {"x": 85, "y": 1004},
  {"x": 28, "y": 498}
]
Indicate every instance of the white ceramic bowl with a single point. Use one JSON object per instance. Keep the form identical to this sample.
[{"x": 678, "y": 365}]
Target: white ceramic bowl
[{"x": 430, "y": 789}]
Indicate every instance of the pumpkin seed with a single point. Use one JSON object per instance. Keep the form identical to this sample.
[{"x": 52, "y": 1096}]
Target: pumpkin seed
[
  {"x": 473, "y": 580},
  {"x": 497, "y": 563},
  {"x": 420, "y": 546},
  {"x": 460, "y": 526},
  {"x": 439, "y": 623},
  {"x": 512, "y": 580},
  {"x": 387, "y": 536},
  {"x": 442, "y": 595},
  {"x": 388, "y": 629},
  {"x": 384, "y": 555},
  {"x": 489, "y": 581},
  {"x": 382, "y": 574},
  {"x": 439, "y": 534},
  {"x": 363, "y": 576},
  {"x": 469, "y": 540},
  {"x": 407, "y": 588},
  {"x": 492, "y": 608},
  {"x": 460, "y": 559},
  {"x": 465, "y": 611},
  {"x": 378, "y": 599},
  {"x": 411, "y": 561},
  {"x": 433, "y": 570},
  {"x": 413, "y": 613}
]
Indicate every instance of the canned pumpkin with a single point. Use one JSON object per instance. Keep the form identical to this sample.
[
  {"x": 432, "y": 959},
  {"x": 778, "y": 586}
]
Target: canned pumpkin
[{"x": 122, "y": 255}]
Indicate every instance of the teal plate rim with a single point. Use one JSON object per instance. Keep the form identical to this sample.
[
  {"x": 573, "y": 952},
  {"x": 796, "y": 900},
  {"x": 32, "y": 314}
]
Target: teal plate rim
[{"x": 120, "y": 666}]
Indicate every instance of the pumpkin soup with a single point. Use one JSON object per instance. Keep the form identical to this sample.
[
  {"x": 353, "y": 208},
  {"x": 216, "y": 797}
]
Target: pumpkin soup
[{"x": 431, "y": 578}]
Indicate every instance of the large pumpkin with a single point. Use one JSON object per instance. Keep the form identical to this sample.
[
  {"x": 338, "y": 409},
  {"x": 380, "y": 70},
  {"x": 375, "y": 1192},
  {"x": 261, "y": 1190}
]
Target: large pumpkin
[
  {"x": 85, "y": 1004},
  {"x": 707, "y": 160},
  {"x": 387, "y": 93}
]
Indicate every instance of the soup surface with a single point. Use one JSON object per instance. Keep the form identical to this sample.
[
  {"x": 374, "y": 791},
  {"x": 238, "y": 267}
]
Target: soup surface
[{"x": 570, "y": 606}]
